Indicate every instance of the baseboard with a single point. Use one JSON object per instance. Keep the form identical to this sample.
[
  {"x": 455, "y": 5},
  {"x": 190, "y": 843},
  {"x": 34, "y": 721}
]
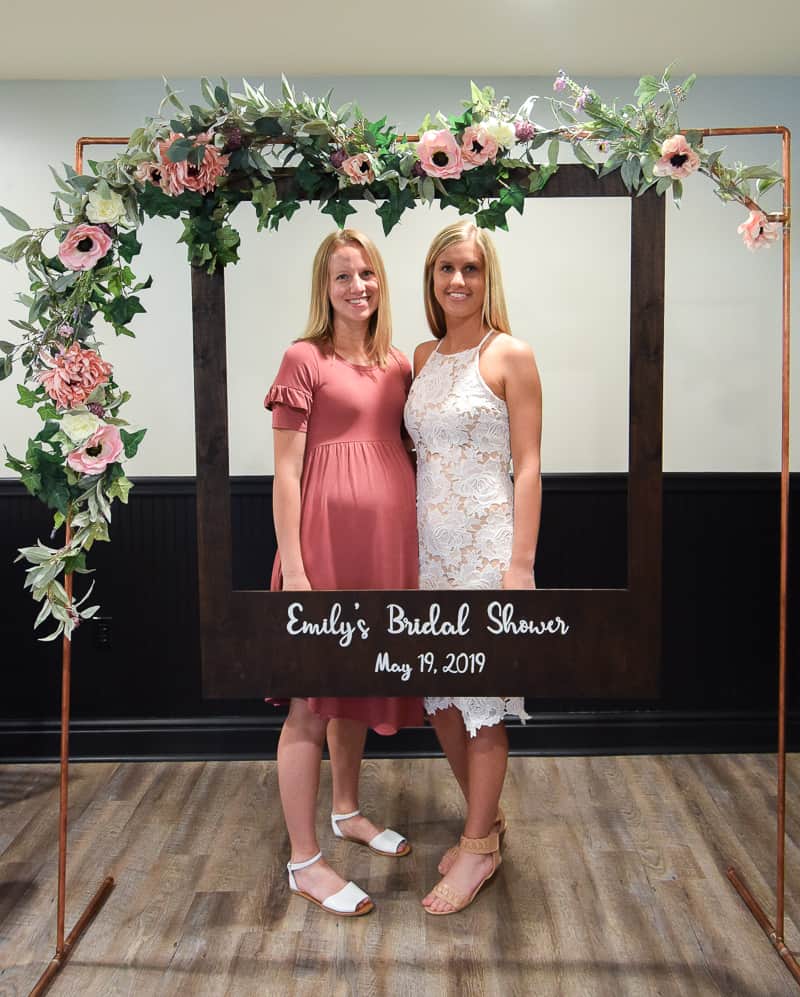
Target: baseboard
[{"x": 579, "y": 733}]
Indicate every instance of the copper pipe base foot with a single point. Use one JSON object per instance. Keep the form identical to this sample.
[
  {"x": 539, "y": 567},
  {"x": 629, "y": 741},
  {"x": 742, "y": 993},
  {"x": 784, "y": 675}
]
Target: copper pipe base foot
[
  {"x": 59, "y": 960},
  {"x": 765, "y": 924}
]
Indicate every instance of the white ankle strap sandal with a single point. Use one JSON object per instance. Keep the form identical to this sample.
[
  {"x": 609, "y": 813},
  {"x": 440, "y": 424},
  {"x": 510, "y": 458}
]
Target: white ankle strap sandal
[
  {"x": 350, "y": 901},
  {"x": 387, "y": 842}
]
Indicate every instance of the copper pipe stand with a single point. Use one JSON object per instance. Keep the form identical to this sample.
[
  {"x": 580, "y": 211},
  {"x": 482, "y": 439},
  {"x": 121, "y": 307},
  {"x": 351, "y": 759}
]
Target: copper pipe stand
[
  {"x": 59, "y": 960},
  {"x": 764, "y": 923}
]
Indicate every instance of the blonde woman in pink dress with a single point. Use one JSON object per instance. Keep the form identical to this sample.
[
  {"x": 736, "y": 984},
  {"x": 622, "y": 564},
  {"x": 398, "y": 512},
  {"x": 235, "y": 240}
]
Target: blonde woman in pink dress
[
  {"x": 475, "y": 404},
  {"x": 344, "y": 509}
]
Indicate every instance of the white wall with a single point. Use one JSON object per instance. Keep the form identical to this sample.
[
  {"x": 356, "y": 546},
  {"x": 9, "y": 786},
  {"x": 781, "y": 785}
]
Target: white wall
[{"x": 565, "y": 267}]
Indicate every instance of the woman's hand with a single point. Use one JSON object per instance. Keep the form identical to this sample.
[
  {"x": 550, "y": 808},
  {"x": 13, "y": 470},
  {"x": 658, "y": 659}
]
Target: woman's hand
[
  {"x": 517, "y": 578},
  {"x": 296, "y": 583}
]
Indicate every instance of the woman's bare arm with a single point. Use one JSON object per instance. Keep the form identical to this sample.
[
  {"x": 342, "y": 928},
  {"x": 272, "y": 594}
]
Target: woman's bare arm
[{"x": 290, "y": 448}]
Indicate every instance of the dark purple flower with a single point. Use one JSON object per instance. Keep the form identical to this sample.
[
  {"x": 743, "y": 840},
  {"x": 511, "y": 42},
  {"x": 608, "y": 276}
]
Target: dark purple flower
[
  {"x": 233, "y": 139},
  {"x": 109, "y": 230},
  {"x": 96, "y": 409},
  {"x": 524, "y": 131},
  {"x": 418, "y": 170},
  {"x": 338, "y": 156}
]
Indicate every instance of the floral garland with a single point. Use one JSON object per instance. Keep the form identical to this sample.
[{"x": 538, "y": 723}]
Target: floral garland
[{"x": 201, "y": 163}]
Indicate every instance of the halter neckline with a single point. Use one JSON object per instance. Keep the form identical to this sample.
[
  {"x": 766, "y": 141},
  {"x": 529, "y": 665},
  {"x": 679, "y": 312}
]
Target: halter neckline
[{"x": 460, "y": 353}]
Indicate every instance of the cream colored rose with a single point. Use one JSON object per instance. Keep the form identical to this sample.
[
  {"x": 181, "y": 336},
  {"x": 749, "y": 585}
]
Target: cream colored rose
[
  {"x": 79, "y": 424},
  {"x": 501, "y": 131},
  {"x": 110, "y": 210}
]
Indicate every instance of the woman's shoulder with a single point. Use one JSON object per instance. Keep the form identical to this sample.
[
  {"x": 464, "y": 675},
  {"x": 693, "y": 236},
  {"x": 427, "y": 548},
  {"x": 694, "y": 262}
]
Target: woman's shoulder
[
  {"x": 423, "y": 351},
  {"x": 304, "y": 353},
  {"x": 398, "y": 358},
  {"x": 303, "y": 349},
  {"x": 505, "y": 345}
]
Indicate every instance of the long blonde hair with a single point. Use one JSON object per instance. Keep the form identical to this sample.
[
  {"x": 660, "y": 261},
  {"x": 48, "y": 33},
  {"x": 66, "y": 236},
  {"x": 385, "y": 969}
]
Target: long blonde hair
[
  {"x": 320, "y": 313},
  {"x": 495, "y": 313}
]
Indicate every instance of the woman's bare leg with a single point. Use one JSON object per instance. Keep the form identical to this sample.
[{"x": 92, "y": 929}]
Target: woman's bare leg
[
  {"x": 299, "y": 759},
  {"x": 487, "y": 759},
  {"x": 346, "y": 747}
]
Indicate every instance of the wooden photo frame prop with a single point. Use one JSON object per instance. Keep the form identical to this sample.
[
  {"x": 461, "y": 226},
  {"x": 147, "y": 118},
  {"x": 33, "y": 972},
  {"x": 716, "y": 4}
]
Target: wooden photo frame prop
[{"x": 593, "y": 643}]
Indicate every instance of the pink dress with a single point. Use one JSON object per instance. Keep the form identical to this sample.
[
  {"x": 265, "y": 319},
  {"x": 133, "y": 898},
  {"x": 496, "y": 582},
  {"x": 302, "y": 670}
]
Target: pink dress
[{"x": 358, "y": 525}]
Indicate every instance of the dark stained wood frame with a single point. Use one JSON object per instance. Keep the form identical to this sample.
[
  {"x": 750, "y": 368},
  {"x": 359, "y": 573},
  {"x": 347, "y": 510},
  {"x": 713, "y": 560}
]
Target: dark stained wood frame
[{"x": 613, "y": 646}]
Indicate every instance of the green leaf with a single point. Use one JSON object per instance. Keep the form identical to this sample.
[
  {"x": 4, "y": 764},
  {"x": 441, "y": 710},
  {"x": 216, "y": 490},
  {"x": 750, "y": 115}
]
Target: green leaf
[
  {"x": 222, "y": 97},
  {"x": 121, "y": 310},
  {"x": 583, "y": 156},
  {"x": 119, "y": 488},
  {"x": 65, "y": 281},
  {"x": 338, "y": 209},
  {"x": 14, "y": 252},
  {"x": 492, "y": 217},
  {"x": 14, "y": 220},
  {"x": 129, "y": 246},
  {"x": 282, "y": 210},
  {"x": 663, "y": 184},
  {"x": 6, "y": 347},
  {"x": 630, "y": 171},
  {"x": 179, "y": 151},
  {"x": 267, "y": 126},
  {"x": 131, "y": 441},
  {"x": 47, "y": 411},
  {"x": 760, "y": 173},
  {"x": 513, "y": 197},
  {"x": 258, "y": 162},
  {"x": 83, "y": 184},
  {"x": 552, "y": 152},
  {"x": 28, "y": 398},
  {"x": 5, "y": 368}
]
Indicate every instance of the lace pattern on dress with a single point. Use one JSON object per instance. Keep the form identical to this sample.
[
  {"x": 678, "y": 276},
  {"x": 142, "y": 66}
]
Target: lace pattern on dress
[{"x": 465, "y": 497}]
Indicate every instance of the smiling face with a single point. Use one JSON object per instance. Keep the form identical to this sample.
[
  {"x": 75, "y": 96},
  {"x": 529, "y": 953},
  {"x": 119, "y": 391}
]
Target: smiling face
[
  {"x": 353, "y": 287},
  {"x": 459, "y": 280}
]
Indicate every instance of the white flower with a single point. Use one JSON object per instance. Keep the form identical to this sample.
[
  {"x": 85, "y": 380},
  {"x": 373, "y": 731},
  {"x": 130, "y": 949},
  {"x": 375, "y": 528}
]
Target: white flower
[
  {"x": 110, "y": 210},
  {"x": 501, "y": 131},
  {"x": 79, "y": 424},
  {"x": 482, "y": 486}
]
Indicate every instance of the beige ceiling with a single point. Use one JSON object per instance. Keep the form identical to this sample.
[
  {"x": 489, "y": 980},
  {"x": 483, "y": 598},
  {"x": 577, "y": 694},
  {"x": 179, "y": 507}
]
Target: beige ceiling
[{"x": 50, "y": 39}]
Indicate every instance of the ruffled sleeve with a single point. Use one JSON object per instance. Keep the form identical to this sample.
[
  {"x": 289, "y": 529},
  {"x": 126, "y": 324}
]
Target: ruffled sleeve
[{"x": 291, "y": 396}]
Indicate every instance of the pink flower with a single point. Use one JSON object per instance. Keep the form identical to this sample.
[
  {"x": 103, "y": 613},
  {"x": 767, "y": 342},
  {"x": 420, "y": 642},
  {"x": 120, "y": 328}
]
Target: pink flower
[
  {"x": 524, "y": 130},
  {"x": 149, "y": 173},
  {"x": 440, "y": 154},
  {"x": 582, "y": 99},
  {"x": 678, "y": 159},
  {"x": 73, "y": 375},
  {"x": 178, "y": 177},
  {"x": 359, "y": 168},
  {"x": 83, "y": 246},
  {"x": 560, "y": 82},
  {"x": 102, "y": 448},
  {"x": 477, "y": 147},
  {"x": 757, "y": 232}
]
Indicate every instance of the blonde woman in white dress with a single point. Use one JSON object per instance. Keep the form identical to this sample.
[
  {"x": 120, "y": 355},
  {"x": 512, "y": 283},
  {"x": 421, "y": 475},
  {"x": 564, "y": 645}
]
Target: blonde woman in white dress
[{"x": 474, "y": 407}]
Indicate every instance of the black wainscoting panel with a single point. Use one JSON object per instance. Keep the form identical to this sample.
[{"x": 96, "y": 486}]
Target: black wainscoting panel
[{"x": 141, "y": 659}]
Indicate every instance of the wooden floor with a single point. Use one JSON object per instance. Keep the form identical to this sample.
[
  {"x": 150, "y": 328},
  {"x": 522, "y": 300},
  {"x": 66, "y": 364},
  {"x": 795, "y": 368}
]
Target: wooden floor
[{"x": 613, "y": 883}]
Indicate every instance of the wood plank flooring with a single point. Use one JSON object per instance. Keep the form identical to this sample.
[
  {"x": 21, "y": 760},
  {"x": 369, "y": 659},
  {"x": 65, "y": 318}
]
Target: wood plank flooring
[{"x": 612, "y": 884}]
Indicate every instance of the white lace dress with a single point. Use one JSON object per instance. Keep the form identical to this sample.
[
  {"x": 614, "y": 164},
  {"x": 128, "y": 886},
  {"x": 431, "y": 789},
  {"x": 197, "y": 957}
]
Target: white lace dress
[{"x": 465, "y": 497}]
